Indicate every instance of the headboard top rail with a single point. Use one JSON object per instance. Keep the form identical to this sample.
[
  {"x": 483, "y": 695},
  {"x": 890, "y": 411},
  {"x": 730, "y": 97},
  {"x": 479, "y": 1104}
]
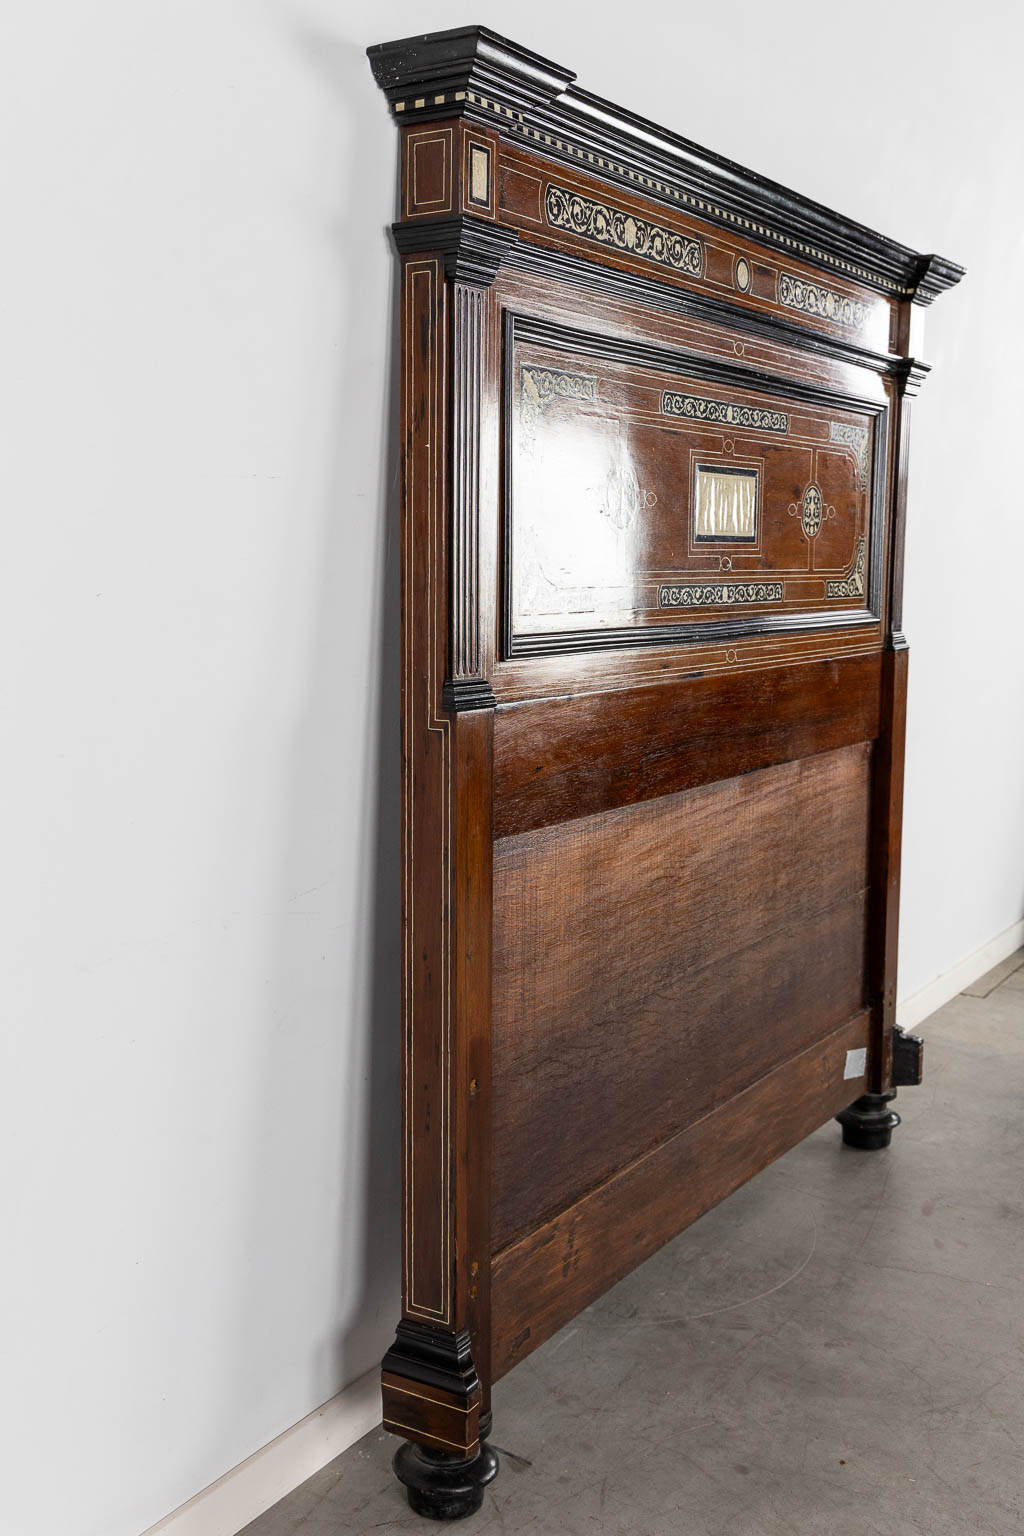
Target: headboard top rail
[{"x": 475, "y": 73}]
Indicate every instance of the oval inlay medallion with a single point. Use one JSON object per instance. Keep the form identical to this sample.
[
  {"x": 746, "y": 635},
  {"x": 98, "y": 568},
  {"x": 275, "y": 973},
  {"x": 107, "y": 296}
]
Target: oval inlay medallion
[
  {"x": 742, "y": 275},
  {"x": 811, "y": 513}
]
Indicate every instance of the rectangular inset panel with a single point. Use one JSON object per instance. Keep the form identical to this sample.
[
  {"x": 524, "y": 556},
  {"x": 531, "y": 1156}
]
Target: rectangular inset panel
[
  {"x": 684, "y": 946},
  {"x": 724, "y": 505},
  {"x": 646, "y": 504}
]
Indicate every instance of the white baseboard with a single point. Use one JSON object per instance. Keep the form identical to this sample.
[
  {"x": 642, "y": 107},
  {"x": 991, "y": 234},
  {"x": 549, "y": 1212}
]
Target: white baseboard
[
  {"x": 913, "y": 1010},
  {"x": 255, "y": 1484}
]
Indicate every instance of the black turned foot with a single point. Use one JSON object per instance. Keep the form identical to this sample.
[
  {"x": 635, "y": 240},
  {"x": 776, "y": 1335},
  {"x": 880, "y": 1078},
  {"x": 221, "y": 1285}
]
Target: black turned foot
[
  {"x": 869, "y": 1123},
  {"x": 444, "y": 1487}
]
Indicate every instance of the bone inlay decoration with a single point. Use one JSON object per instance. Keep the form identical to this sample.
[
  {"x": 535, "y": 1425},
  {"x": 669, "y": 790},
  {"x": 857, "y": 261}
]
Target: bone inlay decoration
[
  {"x": 727, "y": 594},
  {"x": 725, "y": 505},
  {"x": 813, "y": 299},
  {"x": 856, "y": 438},
  {"x": 725, "y": 413},
  {"x": 622, "y": 231},
  {"x": 852, "y": 585}
]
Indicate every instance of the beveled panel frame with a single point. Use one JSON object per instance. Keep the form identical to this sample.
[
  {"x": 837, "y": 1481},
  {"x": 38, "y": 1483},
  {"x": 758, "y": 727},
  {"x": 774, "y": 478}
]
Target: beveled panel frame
[{"x": 518, "y": 327}]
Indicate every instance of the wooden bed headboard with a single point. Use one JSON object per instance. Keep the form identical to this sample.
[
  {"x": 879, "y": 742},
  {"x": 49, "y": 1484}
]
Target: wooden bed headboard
[{"x": 654, "y": 434}]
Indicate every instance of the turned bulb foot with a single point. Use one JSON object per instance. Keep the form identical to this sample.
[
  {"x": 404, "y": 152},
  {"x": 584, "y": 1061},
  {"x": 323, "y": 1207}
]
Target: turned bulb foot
[
  {"x": 869, "y": 1122},
  {"x": 443, "y": 1487}
]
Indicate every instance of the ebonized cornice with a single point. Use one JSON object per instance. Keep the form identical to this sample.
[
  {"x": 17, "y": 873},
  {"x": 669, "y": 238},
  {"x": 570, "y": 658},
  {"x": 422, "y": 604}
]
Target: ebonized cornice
[
  {"x": 473, "y": 249},
  {"x": 476, "y": 73}
]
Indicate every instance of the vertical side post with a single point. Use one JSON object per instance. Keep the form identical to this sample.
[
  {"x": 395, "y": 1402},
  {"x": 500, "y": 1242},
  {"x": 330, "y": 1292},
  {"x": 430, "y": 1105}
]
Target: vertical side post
[
  {"x": 436, "y": 1377},
  {"x": 894, "y": 1058}
]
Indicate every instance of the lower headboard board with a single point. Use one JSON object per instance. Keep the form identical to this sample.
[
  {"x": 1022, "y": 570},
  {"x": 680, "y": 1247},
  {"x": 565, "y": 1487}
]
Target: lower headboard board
[
  {"x": 654, "y": 459},
  {"x": 679, "y": 985}
]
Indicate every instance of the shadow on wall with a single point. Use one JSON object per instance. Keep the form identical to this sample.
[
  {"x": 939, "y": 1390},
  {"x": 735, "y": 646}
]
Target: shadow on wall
[{"x": 337, "y": 1004}]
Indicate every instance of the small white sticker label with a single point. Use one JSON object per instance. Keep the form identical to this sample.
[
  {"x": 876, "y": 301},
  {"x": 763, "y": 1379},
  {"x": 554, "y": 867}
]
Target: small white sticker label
[{"x": 856, "y": 1063}]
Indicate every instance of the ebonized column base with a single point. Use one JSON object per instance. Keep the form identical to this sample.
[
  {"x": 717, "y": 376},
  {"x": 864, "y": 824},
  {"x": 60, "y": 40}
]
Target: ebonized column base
[
  {"x": 443, "y": 1487},
  {"x": 869, "y": 1122}
]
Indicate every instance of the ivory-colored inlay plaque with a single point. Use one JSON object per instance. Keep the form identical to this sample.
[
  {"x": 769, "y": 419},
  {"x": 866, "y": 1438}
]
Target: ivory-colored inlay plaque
[
  {"x": 479, "y": 174},
  {"x": 725, "y": 505}
]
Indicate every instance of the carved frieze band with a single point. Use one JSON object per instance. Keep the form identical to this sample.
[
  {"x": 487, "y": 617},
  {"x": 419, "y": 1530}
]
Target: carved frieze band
[
  {"x": 609, "y": 226},
  {"x": 852, "y": 585},
  {"x": 726, "y": 595},
  {"x": 857, "y": 439},
  {"x": 723, "y": 413},
  {"x": 825, "y": 303}
]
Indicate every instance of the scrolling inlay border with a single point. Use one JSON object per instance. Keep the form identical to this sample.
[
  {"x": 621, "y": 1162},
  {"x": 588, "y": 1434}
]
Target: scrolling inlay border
[
  {"x": 607, "y": 225},
  {"x": 725, "y": 595},
  {"x": 853, "y": 584},
  {"x": 854, "y": 437},
  {"x": 824, "y": 303},
  {"x": 726, "y": 413}
]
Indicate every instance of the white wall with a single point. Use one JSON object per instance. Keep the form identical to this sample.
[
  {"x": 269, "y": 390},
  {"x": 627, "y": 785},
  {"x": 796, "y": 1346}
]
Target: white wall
[{"x": 198, "y": 606}]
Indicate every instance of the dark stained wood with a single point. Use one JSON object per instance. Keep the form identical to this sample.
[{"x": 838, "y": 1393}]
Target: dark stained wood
[
  {"x": 443, "y": 1486},
  {"x": 681, "y": 947},
  {"x": 442, "y": 1419},
  {"x": 542, "y": 1282},
  {"x": 562, "y": 758},
  {"x": 655, "y": 427},
  {"x": 887, "y": 833}
]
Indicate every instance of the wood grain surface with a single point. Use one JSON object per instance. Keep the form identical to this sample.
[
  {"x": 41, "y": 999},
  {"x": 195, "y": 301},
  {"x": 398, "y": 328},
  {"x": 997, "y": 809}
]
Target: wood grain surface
[
  {"x": 542, "y": 1282},
  {"x": 651, "y": 962}
]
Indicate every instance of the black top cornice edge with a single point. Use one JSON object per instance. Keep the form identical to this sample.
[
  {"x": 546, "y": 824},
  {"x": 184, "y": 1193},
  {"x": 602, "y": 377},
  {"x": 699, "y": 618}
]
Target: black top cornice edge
[
  {"x": 463, "y": 59},
  {"x": 476, "y": 72}
]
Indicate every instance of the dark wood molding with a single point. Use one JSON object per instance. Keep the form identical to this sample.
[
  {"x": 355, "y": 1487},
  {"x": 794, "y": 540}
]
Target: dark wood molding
[
  {"x": 472, "y": 249},
  {"x": 934, "y": 276},
  {"x": 462, "y": 693},
  {"x": 435, "y": 1356},
  {"x": 476, "y": 73},
  {"x": 431, "y": 1390},
  {"x": 592, "y": 275}
]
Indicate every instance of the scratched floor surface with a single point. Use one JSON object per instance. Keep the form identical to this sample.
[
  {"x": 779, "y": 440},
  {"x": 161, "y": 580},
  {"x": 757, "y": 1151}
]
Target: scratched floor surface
[{"x": 837, "y": 1349}]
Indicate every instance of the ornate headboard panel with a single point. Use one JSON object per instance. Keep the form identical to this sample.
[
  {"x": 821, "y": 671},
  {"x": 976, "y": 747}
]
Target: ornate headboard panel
[{"x": 655, "y": 417}]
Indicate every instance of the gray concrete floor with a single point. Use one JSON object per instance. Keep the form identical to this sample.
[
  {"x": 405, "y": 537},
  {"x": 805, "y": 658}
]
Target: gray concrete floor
[{"x": 836, "y": 1349}]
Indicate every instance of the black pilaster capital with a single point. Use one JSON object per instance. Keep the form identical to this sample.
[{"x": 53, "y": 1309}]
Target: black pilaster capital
[
  {"x": 912, "y": 372},
  {"x": 473, "y": 249}
]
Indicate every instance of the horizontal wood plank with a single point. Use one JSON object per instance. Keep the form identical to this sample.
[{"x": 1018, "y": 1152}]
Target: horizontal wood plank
[
  {"x": 542, "y": 1281},
  {"x": 682, "y": 947},
  {"x": 555, "y": 759}
]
